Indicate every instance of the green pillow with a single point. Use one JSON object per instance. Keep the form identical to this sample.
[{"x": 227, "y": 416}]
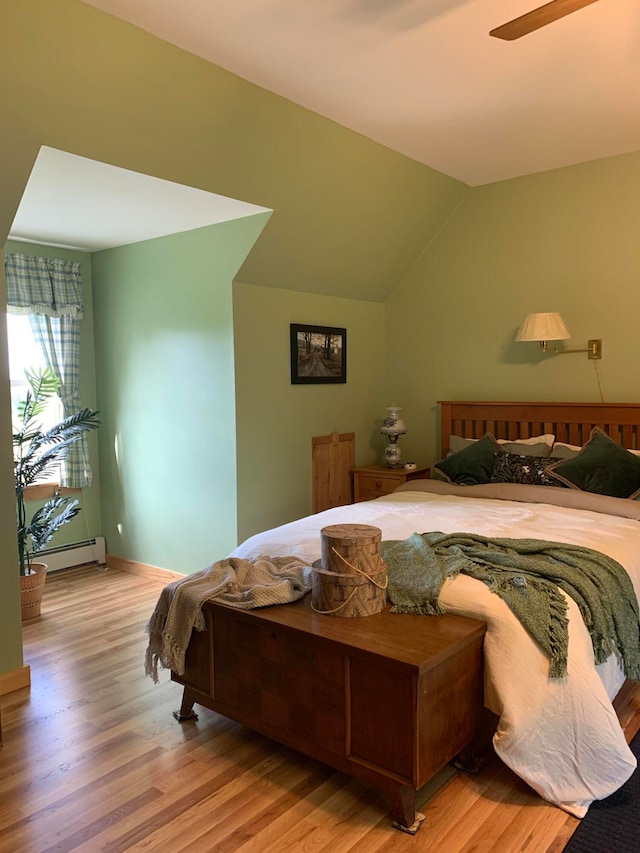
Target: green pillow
[
  {"x": 602, "y": 467},
  {"x": 473, "y": 465}
]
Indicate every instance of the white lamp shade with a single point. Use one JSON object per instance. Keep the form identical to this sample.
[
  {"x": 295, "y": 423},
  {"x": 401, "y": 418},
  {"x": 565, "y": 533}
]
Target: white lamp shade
[{"x": 543, "y": 327}]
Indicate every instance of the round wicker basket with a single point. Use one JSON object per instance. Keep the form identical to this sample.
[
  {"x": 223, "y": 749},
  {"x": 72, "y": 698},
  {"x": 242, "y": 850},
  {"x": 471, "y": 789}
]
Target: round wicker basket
[{"x": 351, "y": 577}]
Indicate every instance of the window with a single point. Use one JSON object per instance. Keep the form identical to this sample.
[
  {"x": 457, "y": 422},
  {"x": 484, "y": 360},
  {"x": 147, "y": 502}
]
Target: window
[
  {"x": 25, "y": 353},
  {"x": 49, "y": 292}
]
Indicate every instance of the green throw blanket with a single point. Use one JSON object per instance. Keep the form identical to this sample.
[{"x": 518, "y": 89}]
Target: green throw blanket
[{"x": 528, "y": 575}]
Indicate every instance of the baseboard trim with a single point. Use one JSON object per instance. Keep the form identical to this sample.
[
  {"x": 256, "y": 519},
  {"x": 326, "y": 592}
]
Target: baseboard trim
[
  {"x": 142, "y": 569},
  {"x": 15, "y": 679}
]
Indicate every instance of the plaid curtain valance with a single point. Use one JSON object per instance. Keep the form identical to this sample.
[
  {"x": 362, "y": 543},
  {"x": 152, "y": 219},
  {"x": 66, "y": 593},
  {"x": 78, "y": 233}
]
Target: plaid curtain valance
[{"x": 48, "y": 286}]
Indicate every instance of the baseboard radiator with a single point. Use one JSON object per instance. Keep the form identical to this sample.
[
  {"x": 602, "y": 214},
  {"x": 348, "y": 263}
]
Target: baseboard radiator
[{"x": 75, "y": 554}]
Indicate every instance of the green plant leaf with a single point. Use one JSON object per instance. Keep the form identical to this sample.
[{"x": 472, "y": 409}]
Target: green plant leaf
[
  {"x": 37, "y": 454},
  {"x": 43, "y": 385},
  {"x": 49, "y": 519}
]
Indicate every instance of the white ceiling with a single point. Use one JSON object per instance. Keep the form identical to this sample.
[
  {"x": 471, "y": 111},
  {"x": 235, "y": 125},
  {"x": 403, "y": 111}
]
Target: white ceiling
[
  {"x": 423, "y": 76},
  {"x": 82, "y": 204}
]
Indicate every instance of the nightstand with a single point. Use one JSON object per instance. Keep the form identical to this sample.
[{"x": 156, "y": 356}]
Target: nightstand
[{"x": 373, "y": 481}]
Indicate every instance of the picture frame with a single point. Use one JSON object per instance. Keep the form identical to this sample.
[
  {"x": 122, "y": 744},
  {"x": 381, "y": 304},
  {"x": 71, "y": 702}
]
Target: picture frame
[{"x": 318, "y": 354}]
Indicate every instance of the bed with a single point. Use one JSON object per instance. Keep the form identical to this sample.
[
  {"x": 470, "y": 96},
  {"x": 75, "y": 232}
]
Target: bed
[{"x": 561, "y": 735}]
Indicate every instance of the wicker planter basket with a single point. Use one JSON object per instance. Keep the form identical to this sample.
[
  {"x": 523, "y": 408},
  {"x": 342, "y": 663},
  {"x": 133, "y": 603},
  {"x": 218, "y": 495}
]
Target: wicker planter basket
[{"x": 31, "y": 591}]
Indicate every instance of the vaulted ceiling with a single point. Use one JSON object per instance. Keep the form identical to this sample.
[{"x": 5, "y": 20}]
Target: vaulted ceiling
[
  {"x": 424, "y": 77},
  {"x": 350, "y": 216}
]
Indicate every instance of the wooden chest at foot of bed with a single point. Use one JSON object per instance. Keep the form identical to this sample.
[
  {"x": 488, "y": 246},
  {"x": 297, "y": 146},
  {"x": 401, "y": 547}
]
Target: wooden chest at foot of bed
[{"x": 388, "y": 698}]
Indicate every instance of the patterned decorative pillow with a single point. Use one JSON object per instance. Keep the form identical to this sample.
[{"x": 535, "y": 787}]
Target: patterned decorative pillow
[{"x": 528, "y": 470}]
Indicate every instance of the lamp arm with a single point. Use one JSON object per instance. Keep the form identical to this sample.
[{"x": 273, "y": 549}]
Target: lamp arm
[{"x": 593, "y": 349}]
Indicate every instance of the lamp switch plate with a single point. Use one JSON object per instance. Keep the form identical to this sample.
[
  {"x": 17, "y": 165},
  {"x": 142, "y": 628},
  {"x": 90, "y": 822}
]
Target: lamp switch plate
[{"x": 594, "y": 348}]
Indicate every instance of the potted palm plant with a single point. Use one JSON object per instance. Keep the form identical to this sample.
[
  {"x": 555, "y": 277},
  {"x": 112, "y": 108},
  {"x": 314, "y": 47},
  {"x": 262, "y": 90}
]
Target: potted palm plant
[{"x": 37, "y": 452}]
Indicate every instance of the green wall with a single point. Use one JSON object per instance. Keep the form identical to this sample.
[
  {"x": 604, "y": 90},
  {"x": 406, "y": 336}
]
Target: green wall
[
  {"x": 565, "y": 240},
  {"x": 164, "y": 355},
  {"x": 350, "y": 215},
  {"x": 89, "y": 522},
  {"x": 11, "y": 645},
  {"x": 277, "y": 420},
  {"x": 350, "y": 218}
]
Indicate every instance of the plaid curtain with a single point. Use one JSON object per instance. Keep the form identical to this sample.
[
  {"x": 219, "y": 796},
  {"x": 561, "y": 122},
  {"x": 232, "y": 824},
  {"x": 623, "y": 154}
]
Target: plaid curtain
[
  {"x": 49, "y": 290},
  {"x": 48, "y": 286}
]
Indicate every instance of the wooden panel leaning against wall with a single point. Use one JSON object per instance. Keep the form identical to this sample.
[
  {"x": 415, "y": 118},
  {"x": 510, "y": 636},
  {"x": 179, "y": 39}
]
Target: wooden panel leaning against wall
[{"x": 332, "y": 458}]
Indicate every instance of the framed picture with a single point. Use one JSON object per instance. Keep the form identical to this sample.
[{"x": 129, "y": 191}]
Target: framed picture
[{"x": 318, "y": 354}]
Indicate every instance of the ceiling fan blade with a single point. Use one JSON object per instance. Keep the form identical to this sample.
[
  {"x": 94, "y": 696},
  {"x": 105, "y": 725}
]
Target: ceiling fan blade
[{"x": 537, "y": 18}]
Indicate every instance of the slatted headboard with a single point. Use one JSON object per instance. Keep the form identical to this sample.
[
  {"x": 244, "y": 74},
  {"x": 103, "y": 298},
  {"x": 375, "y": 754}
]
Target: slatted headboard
[{"x": 570, "y": 422}]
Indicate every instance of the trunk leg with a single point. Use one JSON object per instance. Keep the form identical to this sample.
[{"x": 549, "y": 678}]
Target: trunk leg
[
  {"x": 403, "y": 809},
  {"x": 186, "y": 711},
  {"x": 469, "y": 760}
]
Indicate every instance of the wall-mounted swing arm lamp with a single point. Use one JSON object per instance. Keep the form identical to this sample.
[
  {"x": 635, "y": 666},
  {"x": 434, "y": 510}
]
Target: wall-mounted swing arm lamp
[{"x": 551, "y": 327}]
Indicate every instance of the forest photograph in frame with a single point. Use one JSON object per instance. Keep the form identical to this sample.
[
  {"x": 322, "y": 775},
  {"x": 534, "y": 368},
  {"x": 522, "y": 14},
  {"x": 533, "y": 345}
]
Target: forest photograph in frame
[{"x": 318, "y": 354}]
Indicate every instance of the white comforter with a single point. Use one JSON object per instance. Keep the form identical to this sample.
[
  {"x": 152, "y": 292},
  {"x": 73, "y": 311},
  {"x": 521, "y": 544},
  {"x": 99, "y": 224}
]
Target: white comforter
[{"x": 562, "y": 736}]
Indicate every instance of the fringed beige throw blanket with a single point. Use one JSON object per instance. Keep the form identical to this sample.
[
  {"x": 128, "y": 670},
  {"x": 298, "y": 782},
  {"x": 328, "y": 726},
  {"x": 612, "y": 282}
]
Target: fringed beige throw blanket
[{"x": 245, "y": 584}]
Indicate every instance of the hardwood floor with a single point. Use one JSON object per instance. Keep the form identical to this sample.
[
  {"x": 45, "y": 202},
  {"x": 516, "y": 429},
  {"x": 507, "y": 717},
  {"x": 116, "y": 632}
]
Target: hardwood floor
[{"x": 94, "y": 761}]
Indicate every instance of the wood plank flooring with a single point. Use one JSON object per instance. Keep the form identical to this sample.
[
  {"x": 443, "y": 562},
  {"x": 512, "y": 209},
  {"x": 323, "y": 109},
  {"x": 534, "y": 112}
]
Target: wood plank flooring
[{"x": 94, "y": 761}]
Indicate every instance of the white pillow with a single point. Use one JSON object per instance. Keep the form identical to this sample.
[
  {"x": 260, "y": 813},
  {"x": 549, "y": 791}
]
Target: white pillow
[
  {"x": 538, "y": 445},
  {"x": 565, "y": 451},
  {"x": 548, "y": 438}
]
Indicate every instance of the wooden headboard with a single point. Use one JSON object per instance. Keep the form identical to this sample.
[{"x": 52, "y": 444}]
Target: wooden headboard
[{"x": 570, "y": 422}]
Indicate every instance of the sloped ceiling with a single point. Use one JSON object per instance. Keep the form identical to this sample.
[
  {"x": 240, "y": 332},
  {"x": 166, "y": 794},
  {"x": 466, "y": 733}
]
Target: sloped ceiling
[
  {"x": 350, "y": 215},
  {"x": 423, "y": 76}
]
